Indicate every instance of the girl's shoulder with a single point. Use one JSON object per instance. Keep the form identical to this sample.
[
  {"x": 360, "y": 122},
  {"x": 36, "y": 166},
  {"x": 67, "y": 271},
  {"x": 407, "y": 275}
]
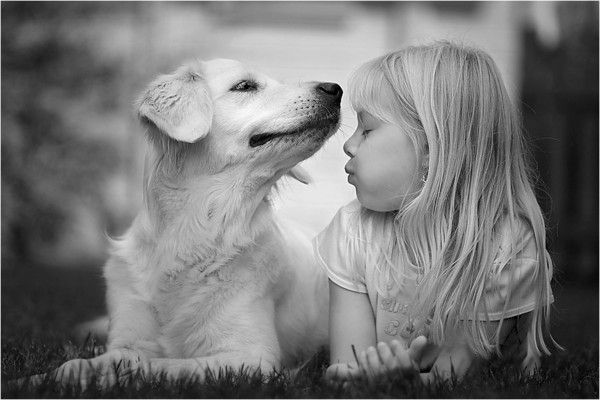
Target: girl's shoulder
[
  {"x": 351, "y": 209},
  {"x": 337, "y": 252},
  {"x": 346, "y": 218}
]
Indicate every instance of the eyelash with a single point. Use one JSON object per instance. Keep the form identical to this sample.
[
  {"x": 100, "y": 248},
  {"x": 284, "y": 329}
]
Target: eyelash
[
  {"x": 365, "y": 132},
  {"x": 245, "y": 86}
]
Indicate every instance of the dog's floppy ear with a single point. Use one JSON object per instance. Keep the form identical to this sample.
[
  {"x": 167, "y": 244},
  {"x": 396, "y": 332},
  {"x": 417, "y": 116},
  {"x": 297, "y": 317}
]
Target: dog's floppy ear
[{"x": 179, "y": 105}]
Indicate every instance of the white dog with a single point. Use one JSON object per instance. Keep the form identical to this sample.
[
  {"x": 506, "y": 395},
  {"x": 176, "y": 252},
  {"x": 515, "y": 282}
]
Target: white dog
[{"x": 206, "y": 277}]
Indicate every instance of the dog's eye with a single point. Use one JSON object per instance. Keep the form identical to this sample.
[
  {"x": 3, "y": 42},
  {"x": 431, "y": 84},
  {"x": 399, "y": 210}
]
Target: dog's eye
[{"x": 244, "y": 86}]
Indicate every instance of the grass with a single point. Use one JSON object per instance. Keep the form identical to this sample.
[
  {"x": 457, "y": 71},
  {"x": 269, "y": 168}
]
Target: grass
[{"x": 41, "y": 305}]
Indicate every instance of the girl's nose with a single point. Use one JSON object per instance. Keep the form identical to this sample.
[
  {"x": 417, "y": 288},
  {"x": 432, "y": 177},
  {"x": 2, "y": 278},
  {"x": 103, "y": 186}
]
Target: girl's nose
[{"x": 350, "y": 147}]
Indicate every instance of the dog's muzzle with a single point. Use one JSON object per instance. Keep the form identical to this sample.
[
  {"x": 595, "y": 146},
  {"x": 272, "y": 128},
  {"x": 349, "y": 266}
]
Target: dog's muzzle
[{"x": 329, "y": 96}]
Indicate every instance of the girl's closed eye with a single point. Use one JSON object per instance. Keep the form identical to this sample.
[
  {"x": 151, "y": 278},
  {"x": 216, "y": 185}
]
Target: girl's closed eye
[{"x": 366, "y": 132}]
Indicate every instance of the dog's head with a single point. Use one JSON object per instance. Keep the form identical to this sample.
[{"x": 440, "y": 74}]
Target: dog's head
[
  {"x": 219, "y": 114},
  {"x": 220, "y": 125}
]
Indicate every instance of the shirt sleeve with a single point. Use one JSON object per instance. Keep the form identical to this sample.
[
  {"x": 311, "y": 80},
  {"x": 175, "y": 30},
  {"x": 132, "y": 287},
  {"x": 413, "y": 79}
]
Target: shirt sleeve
[
  {"x": 332, "y": 252},
  {"x": 512, "y": 287}
]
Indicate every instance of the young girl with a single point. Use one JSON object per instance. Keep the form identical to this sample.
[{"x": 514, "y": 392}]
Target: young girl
[{"x": 441, "y": 260}]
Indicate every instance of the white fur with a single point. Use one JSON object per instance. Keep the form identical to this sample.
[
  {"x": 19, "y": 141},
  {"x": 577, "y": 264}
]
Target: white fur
[{"x": 206, "y": 276}]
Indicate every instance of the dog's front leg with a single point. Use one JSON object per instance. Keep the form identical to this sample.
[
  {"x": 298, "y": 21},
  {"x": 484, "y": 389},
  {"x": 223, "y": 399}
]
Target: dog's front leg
[
  {"x": 133, "y": 323},
  {"x": 106, "y": 370},
  {"x": 132, "y": 333},
  {"x": 244, "y": 335},
  {"x": 131, "y": 339},
  {"x": 196, "y": 369},
  {"x": 121, "y": 366},
  {"x": 117, "y": 365}
]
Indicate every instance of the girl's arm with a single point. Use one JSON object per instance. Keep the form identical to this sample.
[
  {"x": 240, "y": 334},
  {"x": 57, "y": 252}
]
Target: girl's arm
[
  {"x": 454, "y": 359},
  {"x": 351, "y": 323}
]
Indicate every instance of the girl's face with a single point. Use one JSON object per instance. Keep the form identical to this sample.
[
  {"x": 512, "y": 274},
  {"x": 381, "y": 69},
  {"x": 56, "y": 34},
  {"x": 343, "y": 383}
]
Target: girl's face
[{"x": 383, "y": 164}]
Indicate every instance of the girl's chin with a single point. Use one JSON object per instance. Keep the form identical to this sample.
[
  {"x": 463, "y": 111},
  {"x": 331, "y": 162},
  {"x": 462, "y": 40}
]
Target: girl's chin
[{"x": 373, "y": 204}]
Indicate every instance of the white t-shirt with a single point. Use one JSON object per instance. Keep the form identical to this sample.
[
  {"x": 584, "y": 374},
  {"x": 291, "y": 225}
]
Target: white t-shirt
[{"x": 391, "y": 314}]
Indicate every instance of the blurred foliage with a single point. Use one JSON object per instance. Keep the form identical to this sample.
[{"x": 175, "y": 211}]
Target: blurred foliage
[
  {"x": 560, "y": 110},
  {"x": 45, "y": 159}
]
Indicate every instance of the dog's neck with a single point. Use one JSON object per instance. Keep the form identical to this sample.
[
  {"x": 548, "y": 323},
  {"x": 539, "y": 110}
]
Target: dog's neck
[{"x": 206, "y": 222}]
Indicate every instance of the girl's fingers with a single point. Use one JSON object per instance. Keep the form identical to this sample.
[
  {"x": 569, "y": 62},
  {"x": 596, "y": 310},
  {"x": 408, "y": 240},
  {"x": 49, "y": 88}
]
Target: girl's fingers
[
  {"x": 335, "y": 372},
  {"x": 397, "y": 348},
  {"x": 403, "y": 360},
  {"x": 375, "y": 365},
  {"x": 363, "y": 364},
  {"x": 417, "y": 348},
  {"x": 353, "y": 370},
  {"x": 375, "y": 361},
  {"x": 387, "y": 358},
  {"x": 369, "y": 363},
  {"x": 342, "y": 371}
]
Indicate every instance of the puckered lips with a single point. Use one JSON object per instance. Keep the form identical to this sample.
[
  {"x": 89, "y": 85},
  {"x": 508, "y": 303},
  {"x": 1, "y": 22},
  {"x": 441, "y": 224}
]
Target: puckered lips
[{"x": 320, "y": 124}]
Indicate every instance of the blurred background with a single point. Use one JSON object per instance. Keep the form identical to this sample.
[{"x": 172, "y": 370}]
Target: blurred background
[{"x": 72, "y": 151}]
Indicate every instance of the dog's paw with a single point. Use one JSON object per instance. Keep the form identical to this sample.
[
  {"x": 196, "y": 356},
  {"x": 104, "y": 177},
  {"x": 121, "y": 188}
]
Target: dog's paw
[
  {"x": 105, "y": 371},
  {"x": 78, "y": 372}
]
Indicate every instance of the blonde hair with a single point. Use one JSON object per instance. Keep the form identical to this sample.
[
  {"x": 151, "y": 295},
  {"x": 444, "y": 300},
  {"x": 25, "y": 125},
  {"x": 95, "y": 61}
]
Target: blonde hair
[{"x": 450, "y": 100}]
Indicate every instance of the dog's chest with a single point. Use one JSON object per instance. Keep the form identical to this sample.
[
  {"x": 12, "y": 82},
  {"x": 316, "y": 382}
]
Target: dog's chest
[{"x": 194, "y": 308}]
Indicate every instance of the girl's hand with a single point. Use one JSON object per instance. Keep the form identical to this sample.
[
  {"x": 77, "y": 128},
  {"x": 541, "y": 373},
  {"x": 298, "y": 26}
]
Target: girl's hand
[
  {"x": 384, "y": 358},
  {"x": 343, "y": 372}
]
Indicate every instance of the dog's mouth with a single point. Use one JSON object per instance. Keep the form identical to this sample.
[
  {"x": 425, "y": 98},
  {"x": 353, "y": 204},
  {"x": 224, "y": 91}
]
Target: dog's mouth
[
  {"x": 263, "y": 138},
  {"x": 324, "y": 124}
]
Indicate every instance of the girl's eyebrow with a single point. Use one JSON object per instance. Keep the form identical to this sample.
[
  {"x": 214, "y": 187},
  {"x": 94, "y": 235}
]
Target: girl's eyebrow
[
  {"x": 365, "y": 118},
  {"x": 360, "y": 117}
]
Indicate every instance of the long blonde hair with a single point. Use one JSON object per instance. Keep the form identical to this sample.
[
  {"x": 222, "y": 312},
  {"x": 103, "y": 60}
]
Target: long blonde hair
[{"x": 451, "y": 101}]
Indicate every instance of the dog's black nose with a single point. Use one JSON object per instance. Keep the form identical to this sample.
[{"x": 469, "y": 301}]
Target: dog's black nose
[{"x": 330, "y": 89}]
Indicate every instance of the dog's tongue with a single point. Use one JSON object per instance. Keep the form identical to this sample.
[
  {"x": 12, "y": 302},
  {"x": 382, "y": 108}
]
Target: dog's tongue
[{"x": 300, "y": 174}]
